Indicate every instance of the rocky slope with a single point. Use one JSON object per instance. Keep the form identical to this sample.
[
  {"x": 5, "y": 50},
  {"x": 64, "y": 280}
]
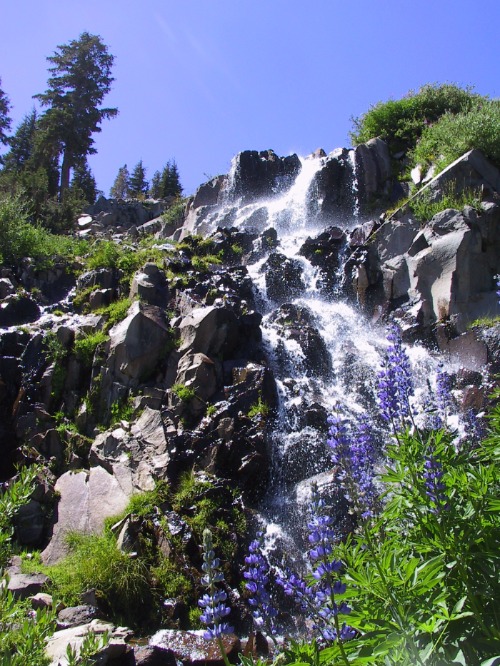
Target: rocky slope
[{"x": 182, "y": 380}]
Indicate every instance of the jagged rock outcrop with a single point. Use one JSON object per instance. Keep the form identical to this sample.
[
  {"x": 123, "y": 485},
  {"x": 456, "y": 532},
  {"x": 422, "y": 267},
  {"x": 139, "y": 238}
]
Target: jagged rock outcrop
[{"x": 442, "y": 270}]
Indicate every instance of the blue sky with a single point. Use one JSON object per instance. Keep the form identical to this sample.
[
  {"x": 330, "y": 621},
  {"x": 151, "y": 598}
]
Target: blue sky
[{"x": 198, "y": 81}]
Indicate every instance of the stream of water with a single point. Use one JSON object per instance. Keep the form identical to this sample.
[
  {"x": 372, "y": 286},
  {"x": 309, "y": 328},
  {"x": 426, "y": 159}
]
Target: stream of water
[{"x": 352, "y": 345}]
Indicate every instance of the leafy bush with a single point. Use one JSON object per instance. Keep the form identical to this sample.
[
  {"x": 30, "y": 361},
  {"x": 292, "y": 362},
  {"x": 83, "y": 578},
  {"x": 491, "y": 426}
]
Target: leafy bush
[
  {"x": 115, "y": 312},
  {"x": 20, "y": 238},
  {"x": 22, "y": 633},
  {"x": 183, "y": 392},
  {"x": 121, "y": 583},
  {"x": 401, "y": 122},
  {"x": 455, "y": 134},
  {"x": 12, "y": 497},
  {"x": 260, "y": 408},
  {"x": 424, "y": 207},
  {"x": 85, "y": 347}
]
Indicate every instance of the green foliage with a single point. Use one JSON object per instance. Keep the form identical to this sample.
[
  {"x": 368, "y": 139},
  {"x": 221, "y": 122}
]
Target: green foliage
[
  {"x": 115, "y": 312},
  {"x": 103, "y": 254},
  {"x": 83, "y": 184},
  {"x": 484, "y": 322},
  {"x": 23, "y": 634},
  {"x": 138, "y": 185},
  {"x": 423, "y": 582},
  {"x": 20, "y": 238},
  {"x": 91, "y": 645},
  {"x": 121, "y": 582},
  {"x": 121, "y": 411},
  {"x": 477, "y": 126},
  {"x": 121, "y": 187},
  {"x": 183, "y": 392},
  {"x": 424, "y": 207},
  {"x": 12, "y": 498},
  {"x": 85, "y": 347},
  {"x": 175, "y": 213},
  {"x": 5, "y": 120},
  {"x": 401, "y": 122},
  {"x": 167, "y": 183},
  {"x": 260, "y": 408},
  {"x": 80, "y": 79},
  {"x": 211, "y": 410}
]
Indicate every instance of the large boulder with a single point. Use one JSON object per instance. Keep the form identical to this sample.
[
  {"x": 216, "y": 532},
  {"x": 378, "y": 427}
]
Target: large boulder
[
  {"x": 139, "y": 344},
  {"x": 331, "y": 193},
  {"x": 150, "y": 286},
  {"x": 373, "y": 171},
  {"x": 283, "y": 277},
  {"x": 87, "y": 498},
  {"x": 261, "y": 174},
  {"x": 210, "y": 331}
]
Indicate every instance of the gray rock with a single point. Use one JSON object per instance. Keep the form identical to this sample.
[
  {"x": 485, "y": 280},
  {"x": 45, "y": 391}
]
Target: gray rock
[
  {"x": 191, "y": 648},
  {"x": 86, "y": 500},
  {"x": 23, "y": 586},
  {"x": 210, "y": 331},
  {"x": 138, "y": 344},
  {"x": 75, "y": 616}
]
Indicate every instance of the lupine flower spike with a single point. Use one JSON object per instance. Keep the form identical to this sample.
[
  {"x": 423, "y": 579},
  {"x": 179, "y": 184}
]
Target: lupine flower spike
[
  {"x": 257, "y": 575},
  {"x": 444, "y": 399},
  {"x": 319, "y": 600},
  {"x": 353, "y": 450},
  {"x": 214, "y": 608},
  {"x": 434, "y": 487},
  {"x": 395, "y": 383}
]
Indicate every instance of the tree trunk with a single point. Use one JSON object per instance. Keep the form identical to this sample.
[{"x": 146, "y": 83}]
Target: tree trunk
[{"x": 65, "y": 170}]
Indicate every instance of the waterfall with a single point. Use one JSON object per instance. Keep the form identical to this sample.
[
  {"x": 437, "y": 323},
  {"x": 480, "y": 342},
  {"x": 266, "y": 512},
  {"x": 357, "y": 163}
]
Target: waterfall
[{"x": 321, "y": 348}]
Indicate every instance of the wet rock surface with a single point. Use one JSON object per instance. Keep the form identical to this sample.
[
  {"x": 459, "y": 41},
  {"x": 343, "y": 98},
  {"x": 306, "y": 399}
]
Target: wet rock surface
[{"x": 186, "y": 383}]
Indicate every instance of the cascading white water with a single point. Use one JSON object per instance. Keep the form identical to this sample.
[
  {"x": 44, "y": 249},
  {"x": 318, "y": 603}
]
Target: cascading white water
[{"x": 353, "y": 348}]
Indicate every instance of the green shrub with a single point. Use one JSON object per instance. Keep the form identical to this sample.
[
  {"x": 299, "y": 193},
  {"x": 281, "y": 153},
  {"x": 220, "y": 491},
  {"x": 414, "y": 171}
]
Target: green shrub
[
  {"x": 22, "y": 634},
  {"x": 424, "y": 208},
  {"x": 12, "y": 498},
  {"x": 401, "y": 122},
  {"x": 455, "y": 134},
  {"x": 20, "y": 238},
  {"x": 183, "y": 392},
  {"x": 85, "y": 347},
  {"x": 115, "y": 312},
  {"x": 260, "y": 408},
  {"x": 121, "y": 583}
]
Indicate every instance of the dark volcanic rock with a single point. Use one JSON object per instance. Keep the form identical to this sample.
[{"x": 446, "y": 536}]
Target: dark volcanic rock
[
  {"x": 262, "y": 174},
  {"x": 283, "y": 277}
]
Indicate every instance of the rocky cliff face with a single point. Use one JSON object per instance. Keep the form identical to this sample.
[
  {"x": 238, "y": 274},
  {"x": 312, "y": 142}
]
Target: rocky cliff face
[{"x": 186, "y": 380}]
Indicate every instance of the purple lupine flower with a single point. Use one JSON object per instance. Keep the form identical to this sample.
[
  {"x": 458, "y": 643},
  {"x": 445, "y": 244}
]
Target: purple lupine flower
[
  {"x": 365, "y": 493},
  {"x": 214, "y": 609},
  {"x": 319, "y": 600},
  {"x": 497, "y": 278},
  {"x": 338, "y": 436},
  {"x": 434, "y": 486},
  {"x": 444, "y": 399},
  {"x": 353, "y": 449},
  {"x": 473, "y": 426},
  {"x": 395, "y": 385},
  {"x": 257, "y": 575}
]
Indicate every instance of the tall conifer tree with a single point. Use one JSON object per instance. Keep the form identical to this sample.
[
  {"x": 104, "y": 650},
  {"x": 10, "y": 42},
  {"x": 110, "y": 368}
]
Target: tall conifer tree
[
  {"x": 5, "y": 120},
  {"x": 80, "y": 78},
  {"x": 121, "y": 186},
  {"x": 138, "y": 183}
]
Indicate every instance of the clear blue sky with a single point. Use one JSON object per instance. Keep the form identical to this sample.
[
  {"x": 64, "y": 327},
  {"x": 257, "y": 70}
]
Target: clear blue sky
[{"x": 200, "y": 80}]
